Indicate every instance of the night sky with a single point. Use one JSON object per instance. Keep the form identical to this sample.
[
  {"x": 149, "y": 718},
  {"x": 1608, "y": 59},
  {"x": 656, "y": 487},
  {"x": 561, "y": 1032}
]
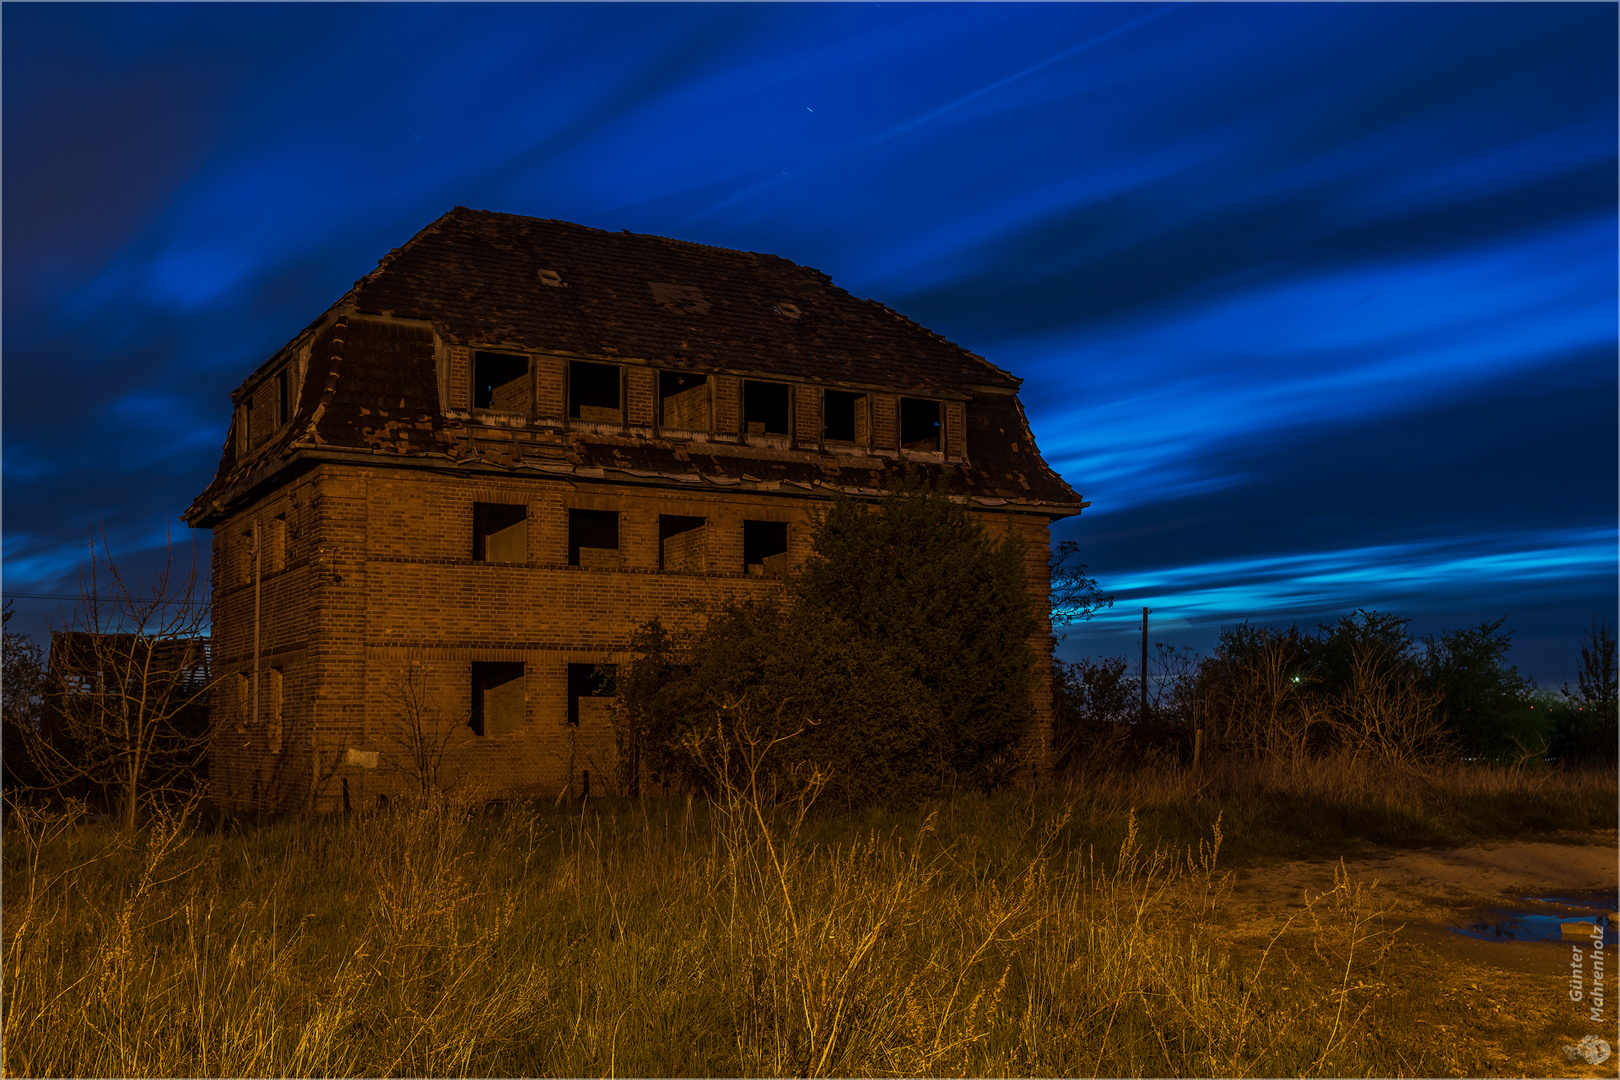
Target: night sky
[{"x": 1316, "y": 304}]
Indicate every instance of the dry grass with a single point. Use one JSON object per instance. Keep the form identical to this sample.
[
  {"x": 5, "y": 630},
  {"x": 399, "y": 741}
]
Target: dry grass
[{"x": 1017, "y": 934}]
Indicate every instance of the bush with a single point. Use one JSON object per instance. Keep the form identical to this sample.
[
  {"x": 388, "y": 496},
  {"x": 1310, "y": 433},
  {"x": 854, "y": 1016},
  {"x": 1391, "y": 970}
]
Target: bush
[{"x": 897, "y": 659}]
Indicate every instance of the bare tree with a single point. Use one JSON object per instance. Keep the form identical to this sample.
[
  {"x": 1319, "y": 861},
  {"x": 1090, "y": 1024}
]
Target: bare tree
[
  {"x": 1074, "y": 597},
  {"x": 422, "y": 733},
  {"x": 22, "y": 690},
  {"x": 1597, "y": 678},
  {"x": 1386, "y": 711},
  {"x": 126, "y": 688},
  {"x": 1254, "y": 693}
]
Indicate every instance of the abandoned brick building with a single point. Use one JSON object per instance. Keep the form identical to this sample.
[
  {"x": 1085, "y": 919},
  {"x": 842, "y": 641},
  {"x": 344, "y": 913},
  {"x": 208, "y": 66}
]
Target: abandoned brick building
[{"x": 453, "y": 495}]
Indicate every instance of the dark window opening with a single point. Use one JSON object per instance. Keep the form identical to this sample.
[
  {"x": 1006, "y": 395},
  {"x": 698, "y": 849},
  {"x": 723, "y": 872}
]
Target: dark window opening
[
  {"x": 593, "y": 538},
  {"x": 765, "y": 408},
  {"x": 497, "y": 697},
  {"x": 245, "y": 435},
  {"x": 765, "y": 547},
  {"x": 593, "y": 392},
  {"x": 500, "y": 532},
  {"x": 283, "y": 411},
  {"x": 844, "y": 417},
  {"x": 501, "y": 382},
  {"x": 278, "y": 543},
  {"x": 681, "y": 542},
  {"x": 683, "y": 401},
  {"x": 919, "y": 424},
  {"x": 592, "y": 684}
]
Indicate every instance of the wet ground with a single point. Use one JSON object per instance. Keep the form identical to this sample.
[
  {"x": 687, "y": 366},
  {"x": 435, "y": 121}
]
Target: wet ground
[
  {"x": 1572, "y": 917},
  {"x": 1479, "y": 953}
]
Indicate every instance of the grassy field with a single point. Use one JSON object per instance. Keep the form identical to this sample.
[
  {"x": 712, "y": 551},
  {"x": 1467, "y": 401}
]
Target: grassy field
[{"x": 1065, "y": 932}]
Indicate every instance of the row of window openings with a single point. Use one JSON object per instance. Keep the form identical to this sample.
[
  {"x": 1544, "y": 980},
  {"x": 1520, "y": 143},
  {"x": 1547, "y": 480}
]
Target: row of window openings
[
  {"x": 500, "y": 534},
  {"x": 498, "y": 695},
  {"x": 274, "y": 537},
  {"x": 501, "y": 383}
]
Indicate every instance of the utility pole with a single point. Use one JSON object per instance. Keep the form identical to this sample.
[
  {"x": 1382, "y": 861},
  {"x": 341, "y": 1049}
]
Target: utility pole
[{"x": 1145, "y": 612}]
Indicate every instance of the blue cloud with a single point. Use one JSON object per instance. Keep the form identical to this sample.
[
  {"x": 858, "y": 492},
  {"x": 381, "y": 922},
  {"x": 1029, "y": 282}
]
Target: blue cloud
[{"x": 1281, "y": 279}]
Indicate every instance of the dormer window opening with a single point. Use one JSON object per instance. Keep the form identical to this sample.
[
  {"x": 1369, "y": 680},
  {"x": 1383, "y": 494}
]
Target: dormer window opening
[
  {"x": 501, "y": 382},
  {"x": 845, "y": 417},
  {"x": 919, "y": 425},
  {"x": 550, "y": 277},
  {"x": 244, "y": 428},
  {"x": 683, "y": 401},
  {"x": 594, "y": 392},
  {"x": 283, "y": 402},
  {"x": 765, "y": 408}
]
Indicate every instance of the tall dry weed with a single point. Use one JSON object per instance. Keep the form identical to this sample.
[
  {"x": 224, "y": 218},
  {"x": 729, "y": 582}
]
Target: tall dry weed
[{"x": 751, "y": 934}]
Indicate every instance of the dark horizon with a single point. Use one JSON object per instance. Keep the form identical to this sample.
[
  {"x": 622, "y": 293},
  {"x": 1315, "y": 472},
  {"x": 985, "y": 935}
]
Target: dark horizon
[{"x": 1315, "y": 304}]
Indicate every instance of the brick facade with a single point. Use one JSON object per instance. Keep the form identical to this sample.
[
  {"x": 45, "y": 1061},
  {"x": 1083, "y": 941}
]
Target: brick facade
[{"x": 391, "y": 555}]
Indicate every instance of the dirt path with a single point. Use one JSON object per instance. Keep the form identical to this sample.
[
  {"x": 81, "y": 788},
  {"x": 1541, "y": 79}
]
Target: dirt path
[{"x": 1499, "y": 1006}]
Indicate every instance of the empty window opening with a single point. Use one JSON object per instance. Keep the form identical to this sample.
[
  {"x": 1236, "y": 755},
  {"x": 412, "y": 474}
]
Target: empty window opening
[
  {"x": 500, "y": 532},
  {"x": 283, "y": 410},
  {"x": 593, "y": 538},
  {"x": 501, "y": 382},
  {"x": 244, "y": 431},
  {"x": 845, "y": 417},
  {"x": 244, "y": 702},
  {"x": 593, "y": 392},
  {"x": 497, "y": 697},
  {"x": 681, "y": 542},
  {"x": 272, "y": 706},
  {"x": 591, "y": 694},
  {"x": 765, "y": 408},
  {"x": 765, "y": 547},
  {"x": 245, "y": 563},
  {"x": 683, "y": 401},
  {"x": 919, "y": 424},
  {"x": 277, "y": 553}
]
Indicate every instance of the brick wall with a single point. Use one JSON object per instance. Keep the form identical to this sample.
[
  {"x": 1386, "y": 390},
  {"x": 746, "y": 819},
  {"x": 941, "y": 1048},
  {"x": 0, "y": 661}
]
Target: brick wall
[
  {"x": 379, "y": 576},
  {"x": 807, "y": 415},
  {"x": 549, "y": 373},
  {"x": 641, "y": 385},
  {"x": 460, "y": 378},
  {"x": 727, "y": 404}
]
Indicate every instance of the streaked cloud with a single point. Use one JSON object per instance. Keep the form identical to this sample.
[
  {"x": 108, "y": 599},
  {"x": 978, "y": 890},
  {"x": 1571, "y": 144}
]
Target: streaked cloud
[{"x": 1303, "y": 295}]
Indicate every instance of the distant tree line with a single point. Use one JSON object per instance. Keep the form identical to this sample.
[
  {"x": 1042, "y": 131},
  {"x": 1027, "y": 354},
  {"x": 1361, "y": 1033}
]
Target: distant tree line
[
  {"x": 895, "y": 664},
  {"x": 1363, "y": 685}
]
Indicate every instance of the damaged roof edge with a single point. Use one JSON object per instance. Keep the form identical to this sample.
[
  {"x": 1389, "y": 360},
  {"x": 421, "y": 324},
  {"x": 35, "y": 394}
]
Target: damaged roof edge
[{"x": 210, "y": 508}]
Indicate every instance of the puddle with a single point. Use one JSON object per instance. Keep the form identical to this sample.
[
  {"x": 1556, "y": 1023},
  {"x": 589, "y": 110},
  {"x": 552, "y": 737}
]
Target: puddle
[{"x": 1543, "y": 919}]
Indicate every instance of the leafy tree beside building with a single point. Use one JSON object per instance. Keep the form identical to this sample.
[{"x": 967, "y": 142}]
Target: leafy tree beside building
[{"x": 897, "y": 660}]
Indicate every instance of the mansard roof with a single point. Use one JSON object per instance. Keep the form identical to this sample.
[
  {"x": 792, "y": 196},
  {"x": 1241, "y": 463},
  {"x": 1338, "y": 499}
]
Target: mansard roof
[
  {"x": 490, "y": 280},
  {"x": 533, "y": 283}
]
